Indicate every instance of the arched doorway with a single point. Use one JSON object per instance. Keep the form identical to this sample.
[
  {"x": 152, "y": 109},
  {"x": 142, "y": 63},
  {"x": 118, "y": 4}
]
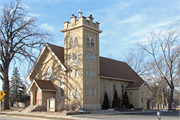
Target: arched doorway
[
  {"x": 148, "y": 104},
  {"x": 36, "y": 96}
]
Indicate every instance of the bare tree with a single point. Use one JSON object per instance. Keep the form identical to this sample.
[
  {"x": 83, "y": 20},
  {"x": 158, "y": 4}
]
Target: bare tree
[
  {"x": 136, "y": 60},
  {"x": 19, "y": 36},
  {"x": 160, "y": 89},
  {"x": 164, "y": 47}
]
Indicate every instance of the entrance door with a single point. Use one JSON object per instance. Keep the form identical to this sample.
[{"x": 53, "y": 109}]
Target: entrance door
[
  {"x": 148, "y": 104},
  {"x": 37, "y": 98}
]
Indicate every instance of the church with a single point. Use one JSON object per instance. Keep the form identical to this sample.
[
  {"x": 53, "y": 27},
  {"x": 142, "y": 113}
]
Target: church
[{"x": 76, "y": 73}]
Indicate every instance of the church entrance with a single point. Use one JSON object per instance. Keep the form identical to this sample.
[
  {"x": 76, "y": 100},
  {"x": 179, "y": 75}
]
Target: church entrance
[
  {"x": 36, "y": 98},
  {"x": 148, "y": 104},
  {"x": 149, "y": 99}
]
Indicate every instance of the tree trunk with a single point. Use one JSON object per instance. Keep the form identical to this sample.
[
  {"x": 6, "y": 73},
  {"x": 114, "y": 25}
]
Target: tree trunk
[
  {"x": 6, "y": 88},
  {"x": 171, "y": 98},
  {"x": 163, "y": 98}
]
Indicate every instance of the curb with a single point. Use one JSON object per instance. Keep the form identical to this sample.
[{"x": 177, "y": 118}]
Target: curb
[{"x": 34, "y": 116}]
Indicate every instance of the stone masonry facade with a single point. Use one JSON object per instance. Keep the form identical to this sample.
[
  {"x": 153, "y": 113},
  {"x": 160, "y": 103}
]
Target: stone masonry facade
[{"x": 78, "y": 75}]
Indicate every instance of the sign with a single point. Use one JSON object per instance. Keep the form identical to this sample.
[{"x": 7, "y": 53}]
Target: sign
[
  {"x": 2, "y": 99},
  {"x": 51, "y": 103},
  {"x": 2, "y": 94}
]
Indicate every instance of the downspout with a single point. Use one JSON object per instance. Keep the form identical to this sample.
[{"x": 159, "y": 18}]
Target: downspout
[
  {"x": 111, "y": 92},
  {"x": 56, "y": 94}
]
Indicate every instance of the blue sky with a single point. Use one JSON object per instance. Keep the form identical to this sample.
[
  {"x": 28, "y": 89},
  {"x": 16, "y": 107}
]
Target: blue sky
[{"x": 124, "y": 22}]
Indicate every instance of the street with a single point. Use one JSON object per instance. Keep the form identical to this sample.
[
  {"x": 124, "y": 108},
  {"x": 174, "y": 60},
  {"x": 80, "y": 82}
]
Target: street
[
  {"x": 135, "y": 116},
  {"x": 121, "y": 116}
]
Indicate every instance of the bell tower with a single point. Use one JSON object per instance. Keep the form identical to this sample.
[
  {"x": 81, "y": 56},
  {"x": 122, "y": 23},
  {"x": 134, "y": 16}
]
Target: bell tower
[{"x": 81, "y": 54}]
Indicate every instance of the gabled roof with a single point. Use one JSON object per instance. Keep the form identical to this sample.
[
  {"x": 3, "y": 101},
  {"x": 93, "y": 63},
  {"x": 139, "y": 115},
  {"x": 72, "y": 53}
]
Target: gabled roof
[
  {"x": 109, "y": 68},
  {"x": 43, "y": 85},
  {"x": 57, "y": 52},
  {"x": 119, "y": 70}
]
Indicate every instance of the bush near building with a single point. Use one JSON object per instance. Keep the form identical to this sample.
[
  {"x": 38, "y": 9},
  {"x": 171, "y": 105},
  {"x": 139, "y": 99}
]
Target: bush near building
[{"x": 106, "y": 102}]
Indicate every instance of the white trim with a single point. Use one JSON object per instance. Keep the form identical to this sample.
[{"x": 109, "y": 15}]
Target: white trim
[
  {"x": 38, "y": 87},
  {"x": 66, "y": 65},
  {"x": 64, "y": 68},
  {"x": 146, "y": 84},
  {"x": 140, "y": 86},
  {"x": 117, "y": 79},
  {"x": 32, "y": 84},
  {"x": 42, "y": 51},
  {"x": 148, "y": 98}
]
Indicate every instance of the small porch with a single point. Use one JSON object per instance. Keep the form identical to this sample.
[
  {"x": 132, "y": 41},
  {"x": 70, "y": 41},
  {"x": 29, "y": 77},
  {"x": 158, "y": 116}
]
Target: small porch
[
  {"x": 40, "y": 91},
  {"x": 149, "y": 99}
]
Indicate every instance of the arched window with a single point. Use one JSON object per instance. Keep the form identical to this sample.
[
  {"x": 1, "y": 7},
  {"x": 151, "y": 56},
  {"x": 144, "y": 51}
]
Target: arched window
[
  {"x": 87, "y": 73},
  {"x": 122, "y": 88},
  {"x": 77, "y": 93},
  {"x": 87, "y": 91},
  {"x": 114, "y": 87},
  {"x": 87, "y": 42},
  {"x": 70, "y": 57},
  {"x": 142, "y": 100},
  {"x": 76, "y": 73},
  {"x": 62, "y": 92},
  {"x": 87, "y": 56},
  {"x": 71, "y": 43},
  {"x": 105, "y": 89},
  {"x": 62, "y": 87},
  {"x": 70, "y": 93},
  {"x": 92, "y": 57},
  {"x": 49, "y": 73},
  {"x": 62, "y": 82},
  {"x": 76, "y": 56},
  {"x": 70, "y": 73},
  {"x": 76, "y": 41},
  {"x": 93, "y": 73},
  {"x": 92, "y": 43},
  {"x": 93, "y": 92}
]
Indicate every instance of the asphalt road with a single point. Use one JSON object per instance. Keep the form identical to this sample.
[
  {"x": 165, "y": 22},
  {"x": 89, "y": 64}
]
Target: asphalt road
[
  {"x": 135, "y": 116},
  {"x": 122, "y": 116}
]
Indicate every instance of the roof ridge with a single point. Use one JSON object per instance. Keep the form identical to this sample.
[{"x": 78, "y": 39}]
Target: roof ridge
[
  {"x": 54, "y": 45},
  {"x": 113, "y": 59},
  {"x": 42, "y": 79}
]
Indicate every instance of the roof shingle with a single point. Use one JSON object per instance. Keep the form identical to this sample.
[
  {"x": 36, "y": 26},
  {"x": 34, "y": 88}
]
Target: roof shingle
[
  {"x": 108, "y": 68},
  {"x": 121, "y": 70},
  {"x": 58, "y": 51},
  {"x": 45, "y": 84}
]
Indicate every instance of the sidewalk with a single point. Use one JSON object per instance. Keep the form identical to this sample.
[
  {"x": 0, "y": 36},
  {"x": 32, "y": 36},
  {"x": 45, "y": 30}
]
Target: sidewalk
[{"x": 70, "y": 117}]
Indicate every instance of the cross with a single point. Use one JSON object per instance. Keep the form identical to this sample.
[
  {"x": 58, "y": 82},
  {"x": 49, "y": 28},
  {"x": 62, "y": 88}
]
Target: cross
[{"x": 80, "y": 13}]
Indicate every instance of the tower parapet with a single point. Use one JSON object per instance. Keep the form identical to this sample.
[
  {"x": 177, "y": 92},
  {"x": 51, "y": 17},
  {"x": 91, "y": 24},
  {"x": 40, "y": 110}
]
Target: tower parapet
[{"x": 82, "y": 21}]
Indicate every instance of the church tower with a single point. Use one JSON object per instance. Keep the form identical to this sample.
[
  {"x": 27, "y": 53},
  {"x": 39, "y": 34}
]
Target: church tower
[{"x": 81, "y": 55}]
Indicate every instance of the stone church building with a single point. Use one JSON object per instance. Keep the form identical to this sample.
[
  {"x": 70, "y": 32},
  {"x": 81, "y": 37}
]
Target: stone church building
[{"x": 76, "y": 73}]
